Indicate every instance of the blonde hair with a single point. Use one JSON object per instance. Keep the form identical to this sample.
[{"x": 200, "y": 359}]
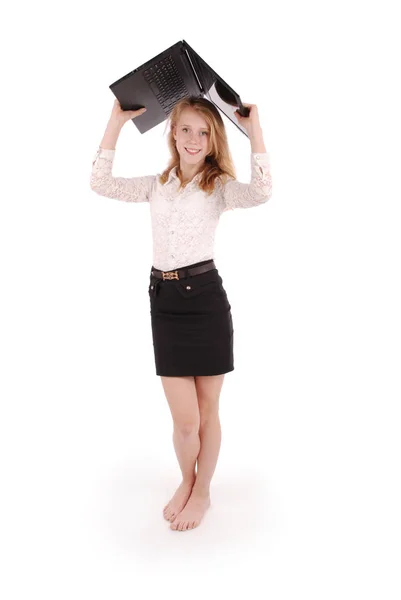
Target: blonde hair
[{"x": 218, "y": 162}]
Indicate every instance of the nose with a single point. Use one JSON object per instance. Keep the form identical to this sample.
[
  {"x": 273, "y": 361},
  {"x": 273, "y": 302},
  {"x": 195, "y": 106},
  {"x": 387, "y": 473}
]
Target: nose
[{"x": 192, "y": 138}]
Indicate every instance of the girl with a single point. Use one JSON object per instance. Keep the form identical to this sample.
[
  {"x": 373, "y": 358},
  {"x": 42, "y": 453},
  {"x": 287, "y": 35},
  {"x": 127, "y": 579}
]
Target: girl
[{"x": 192, "y": 326}]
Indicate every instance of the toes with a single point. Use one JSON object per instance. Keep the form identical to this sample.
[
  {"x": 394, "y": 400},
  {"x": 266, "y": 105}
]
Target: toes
[
  {"x": 169, "y": 514},
  {"x": 180, "y": 525},
  {"x": 183, "y": 525}
]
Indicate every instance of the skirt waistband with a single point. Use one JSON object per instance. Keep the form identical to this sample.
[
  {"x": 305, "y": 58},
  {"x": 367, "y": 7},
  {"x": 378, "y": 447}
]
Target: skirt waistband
[{"x": 183, "y": 272}]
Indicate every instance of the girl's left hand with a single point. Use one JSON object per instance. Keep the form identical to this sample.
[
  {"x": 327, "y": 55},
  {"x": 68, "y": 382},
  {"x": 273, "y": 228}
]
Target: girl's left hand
[{"x": 251, "y": 122}]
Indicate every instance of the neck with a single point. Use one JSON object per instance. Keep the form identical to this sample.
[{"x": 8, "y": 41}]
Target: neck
[{"x": 188, "y": 172}]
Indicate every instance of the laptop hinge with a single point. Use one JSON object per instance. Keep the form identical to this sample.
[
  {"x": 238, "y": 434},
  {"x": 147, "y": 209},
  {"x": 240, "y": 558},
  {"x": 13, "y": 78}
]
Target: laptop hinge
[{"x": 193, "y": 69}]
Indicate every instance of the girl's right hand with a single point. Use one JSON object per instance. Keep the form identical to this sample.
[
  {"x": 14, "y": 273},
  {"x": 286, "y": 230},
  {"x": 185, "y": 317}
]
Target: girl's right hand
[{"x": 122, "y": 116}]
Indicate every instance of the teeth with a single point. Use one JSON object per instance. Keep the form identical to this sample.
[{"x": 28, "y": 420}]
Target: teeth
[{"x": 192, "y": 151}]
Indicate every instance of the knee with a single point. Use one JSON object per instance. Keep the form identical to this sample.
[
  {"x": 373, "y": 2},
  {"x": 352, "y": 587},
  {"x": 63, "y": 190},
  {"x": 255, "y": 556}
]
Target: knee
[
  {"x": 186, "y": 428},
  {"x": 208, "y": 415}
]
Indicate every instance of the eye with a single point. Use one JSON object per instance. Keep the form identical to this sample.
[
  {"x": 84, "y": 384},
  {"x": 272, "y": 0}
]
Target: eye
[{"x": 186, "y": 129}]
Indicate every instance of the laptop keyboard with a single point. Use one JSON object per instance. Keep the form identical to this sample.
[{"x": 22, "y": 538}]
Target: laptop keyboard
[{"x": 166, "y": 83}]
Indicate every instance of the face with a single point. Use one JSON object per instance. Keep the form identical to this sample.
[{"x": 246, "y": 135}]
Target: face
[{"x": 192, "y": 132}]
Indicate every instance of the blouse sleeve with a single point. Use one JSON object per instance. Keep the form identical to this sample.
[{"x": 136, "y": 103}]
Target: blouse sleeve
[
  {"x": 131, "y": 189},
  {"x": 258, "y": 191}
]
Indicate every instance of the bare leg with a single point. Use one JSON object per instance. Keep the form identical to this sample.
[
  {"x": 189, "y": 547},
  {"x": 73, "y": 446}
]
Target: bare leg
[
  {"x": 208, "y": 389},
  {"x": 187, "y": 446},
  {"x": 210, "y": 438},
  {"x": 181, "y": 396}
]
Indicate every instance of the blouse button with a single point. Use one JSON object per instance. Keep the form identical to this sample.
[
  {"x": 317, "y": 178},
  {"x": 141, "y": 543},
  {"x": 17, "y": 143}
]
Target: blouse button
[{"x": 188, "y": 287}]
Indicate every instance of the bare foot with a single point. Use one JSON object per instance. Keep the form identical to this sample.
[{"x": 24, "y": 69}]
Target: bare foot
[
  {"x": 192, "y": 514},
  {"x": 178, "y": 501}
]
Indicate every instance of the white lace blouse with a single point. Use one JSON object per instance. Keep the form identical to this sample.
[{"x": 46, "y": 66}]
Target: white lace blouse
[{"x": 183, "y": 222}]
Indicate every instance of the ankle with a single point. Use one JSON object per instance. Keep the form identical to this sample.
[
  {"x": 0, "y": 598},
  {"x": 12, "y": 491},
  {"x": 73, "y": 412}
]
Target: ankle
[
  {"x": 201, "y": 490},
  {"x": 188, "y": 481}
]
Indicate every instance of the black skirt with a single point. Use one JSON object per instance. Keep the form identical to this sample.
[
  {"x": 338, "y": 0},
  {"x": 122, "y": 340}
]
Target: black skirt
[{"x": 192, "y": 326}]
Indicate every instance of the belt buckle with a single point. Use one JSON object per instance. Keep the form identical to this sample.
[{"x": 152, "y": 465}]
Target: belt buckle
[{"x": 170, "y": 275}]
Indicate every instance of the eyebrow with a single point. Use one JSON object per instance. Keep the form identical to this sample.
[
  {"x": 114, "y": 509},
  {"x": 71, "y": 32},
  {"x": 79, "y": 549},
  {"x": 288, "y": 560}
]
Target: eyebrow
[{"x": 185, "y": 125}]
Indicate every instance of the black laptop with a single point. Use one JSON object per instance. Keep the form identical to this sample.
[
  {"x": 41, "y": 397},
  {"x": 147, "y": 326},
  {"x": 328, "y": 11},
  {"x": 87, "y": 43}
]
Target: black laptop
[{"x": 175, "y": 73}]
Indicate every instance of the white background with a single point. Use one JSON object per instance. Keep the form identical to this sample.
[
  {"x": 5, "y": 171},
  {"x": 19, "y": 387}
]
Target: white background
[{"x": 306, "y": 494}]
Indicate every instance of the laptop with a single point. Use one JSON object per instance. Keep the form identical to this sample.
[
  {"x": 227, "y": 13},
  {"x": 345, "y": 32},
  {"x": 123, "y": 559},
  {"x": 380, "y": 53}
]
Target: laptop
[{"x": 171, "y": 75}]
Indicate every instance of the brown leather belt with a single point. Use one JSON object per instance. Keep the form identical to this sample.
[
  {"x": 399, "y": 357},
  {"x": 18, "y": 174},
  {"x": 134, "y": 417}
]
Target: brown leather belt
[{"x": 182, "y": 273}]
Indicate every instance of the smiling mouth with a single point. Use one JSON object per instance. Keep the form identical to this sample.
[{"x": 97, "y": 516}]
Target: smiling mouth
[{"x": 192, "y": 151}]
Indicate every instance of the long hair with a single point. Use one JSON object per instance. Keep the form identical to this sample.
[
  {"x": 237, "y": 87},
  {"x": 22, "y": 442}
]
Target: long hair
[{"x": 218, "y": 162}]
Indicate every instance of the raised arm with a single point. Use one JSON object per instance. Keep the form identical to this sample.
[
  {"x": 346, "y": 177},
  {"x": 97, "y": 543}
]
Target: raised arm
[
  {"x": 128, "y": 189},
  {"x": 259, "y": 190}
]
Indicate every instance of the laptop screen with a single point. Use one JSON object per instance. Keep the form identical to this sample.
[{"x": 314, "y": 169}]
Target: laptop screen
[
  {"x": 218, "y": 94},
  {"x": 216, "y": 89}
]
